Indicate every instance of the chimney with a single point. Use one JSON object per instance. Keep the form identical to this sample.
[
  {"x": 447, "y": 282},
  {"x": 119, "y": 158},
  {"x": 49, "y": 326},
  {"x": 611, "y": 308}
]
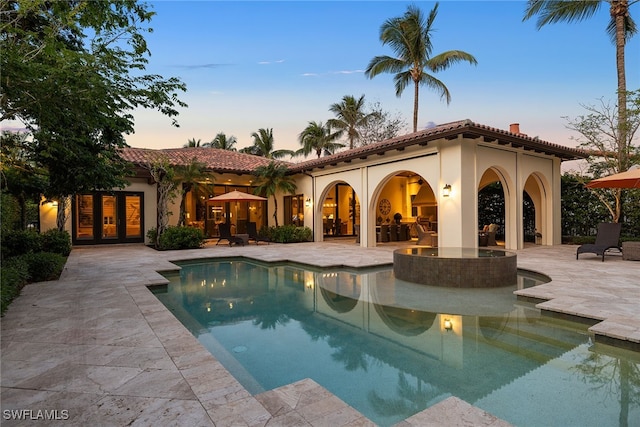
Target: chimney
[{"x": 514, "y": 128}]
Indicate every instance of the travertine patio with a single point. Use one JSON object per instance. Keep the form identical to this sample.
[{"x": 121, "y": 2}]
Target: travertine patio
[{"x": 99, "y": 345}]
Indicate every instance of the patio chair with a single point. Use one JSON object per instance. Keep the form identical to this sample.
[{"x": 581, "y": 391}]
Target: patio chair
[
  {"x": 425, "y": 237},
  {"x": 225, "y": 234},
  {"x": 254, "y": 235},
  {"x": 608, "y": 238}
]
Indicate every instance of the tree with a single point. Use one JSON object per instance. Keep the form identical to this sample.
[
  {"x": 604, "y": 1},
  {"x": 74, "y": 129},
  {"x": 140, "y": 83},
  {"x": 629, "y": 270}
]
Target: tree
[
  {"x": 319, "y": 138},
  {"x": 409, "y": 36},
  {"x": 273, "y": 178},
  {"x": 620, "y": 28},
  {"x": 598, "y": 134},
  {"x": 380, "y": 126},
  {"x": 188, "y": 176},
  {"x": 350, "y": 115},
  {"x": 164, "y": 176},
  {"x": 263, "y": 145},
  {"x": 222, "y": 142},
  {"x": 72, "y": 72},
  {"x": 192, "y": 143}
]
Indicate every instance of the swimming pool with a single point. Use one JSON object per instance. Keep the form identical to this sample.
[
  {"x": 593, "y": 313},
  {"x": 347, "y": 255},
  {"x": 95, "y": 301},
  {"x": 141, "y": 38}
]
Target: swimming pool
[{"x": 391, "y": 348}]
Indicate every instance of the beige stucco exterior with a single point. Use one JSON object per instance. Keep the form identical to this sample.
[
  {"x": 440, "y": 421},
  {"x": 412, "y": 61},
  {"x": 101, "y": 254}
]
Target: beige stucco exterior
[{"x": 463, "y": 155}]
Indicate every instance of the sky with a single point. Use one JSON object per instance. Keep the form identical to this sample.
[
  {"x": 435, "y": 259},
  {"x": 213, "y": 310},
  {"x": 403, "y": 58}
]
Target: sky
[{"x": 251, "y": 65}]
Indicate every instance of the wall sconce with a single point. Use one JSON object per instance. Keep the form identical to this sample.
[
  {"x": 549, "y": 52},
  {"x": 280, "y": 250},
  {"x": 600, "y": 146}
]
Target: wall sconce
[
  {"x": 448, "y": 326},
  {"x": 446, "y": 191},
  {"x": 307, "y": 203}
]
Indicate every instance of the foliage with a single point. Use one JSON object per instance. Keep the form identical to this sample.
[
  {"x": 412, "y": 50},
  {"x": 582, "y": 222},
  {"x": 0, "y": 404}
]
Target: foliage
[
  {"x": 152, "y": 235},
  {"x": 598, "y": 135},
  {"x": 9, "y": 212},
  {"x": 14, "y": 274},
  {"x": 380, "y": 126},
  {"x": 350, "y": 116},
  {"x": 181, "y": 238},
  {"x": 72, "y": 73},
  {"x": 581, "y": 209},
  {"x": 287, "y": 234},
  {"x": 19, "y": 242},
  {"x": 264, "y": 144},
  {"x": 56, "y": 241},
  {"x": 192, "y": 143},
  {"x": 223, "y": 143},
  {"x": 44, "y": 265},
  {"x": 318, "y": 137},
  {"x": 273, "y": 178},
  {"x": 491, "y": 206},
  {"x": 409, "y": 36}
]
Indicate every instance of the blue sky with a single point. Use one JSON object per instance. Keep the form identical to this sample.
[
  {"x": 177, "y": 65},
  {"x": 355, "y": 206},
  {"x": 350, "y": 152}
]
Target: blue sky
[{"x": 251, "y": 65}]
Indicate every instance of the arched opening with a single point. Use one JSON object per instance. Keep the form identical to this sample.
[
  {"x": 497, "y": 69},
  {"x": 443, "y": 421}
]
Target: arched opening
[
  {"x": 491, "y": 210},
  {"x": 533, "y": 202},
  {"x": 340, "y": 211},
  {"x": 399, "y": 202}
]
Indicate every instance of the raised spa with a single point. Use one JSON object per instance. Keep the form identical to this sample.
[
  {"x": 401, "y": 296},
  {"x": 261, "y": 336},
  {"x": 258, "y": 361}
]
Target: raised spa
[{"x": 456, "y": 267}]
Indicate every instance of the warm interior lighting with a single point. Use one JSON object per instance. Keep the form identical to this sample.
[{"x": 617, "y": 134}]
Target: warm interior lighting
[
  {"x": 446, "y": 191},
  {"x": 448, "y": 325},
  {"x": 307, "y": 203}
]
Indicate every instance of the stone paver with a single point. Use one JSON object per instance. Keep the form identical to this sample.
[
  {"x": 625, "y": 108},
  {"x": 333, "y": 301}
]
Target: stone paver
[{"x": 99, "y": 345}]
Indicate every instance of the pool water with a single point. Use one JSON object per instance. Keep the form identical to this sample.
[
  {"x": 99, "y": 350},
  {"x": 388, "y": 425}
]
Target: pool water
[{"x": 391, "y": 348}]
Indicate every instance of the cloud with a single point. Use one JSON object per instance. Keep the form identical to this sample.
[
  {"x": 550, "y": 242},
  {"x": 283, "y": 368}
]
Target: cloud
[
  {"x": 279, "y": 61},
  {"x": 198, "y": 66},
  {"x": 344, "y": 72},
  {"x": 347, "y": 72}
]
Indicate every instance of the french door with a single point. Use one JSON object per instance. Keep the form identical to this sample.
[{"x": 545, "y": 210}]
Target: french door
[{"x": 108, "y": 218}]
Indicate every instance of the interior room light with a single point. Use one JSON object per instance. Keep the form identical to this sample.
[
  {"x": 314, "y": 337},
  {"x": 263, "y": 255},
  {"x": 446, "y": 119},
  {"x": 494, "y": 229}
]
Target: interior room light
[
  {"x": 448, "y": 326},
  {"x": 446, "y": 191}
]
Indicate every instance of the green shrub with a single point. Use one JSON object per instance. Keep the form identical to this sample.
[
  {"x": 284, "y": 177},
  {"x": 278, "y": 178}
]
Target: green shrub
[
  {"x": 181, "y": 238},
  {"x": 288, "y": 234},
  {"x": 56, "y": 241},
  {"x": 20, "y": 242},
  {"x": 14, "y": 274},
  {"x": 44, "y": 266},
  {"x": 152, "y": 235}
]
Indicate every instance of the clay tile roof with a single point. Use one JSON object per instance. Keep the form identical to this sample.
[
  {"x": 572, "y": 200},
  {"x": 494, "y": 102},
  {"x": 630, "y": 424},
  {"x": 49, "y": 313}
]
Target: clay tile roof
[
  {"x": 448, "y": 131},
  {"x": 214, "y": 159}
]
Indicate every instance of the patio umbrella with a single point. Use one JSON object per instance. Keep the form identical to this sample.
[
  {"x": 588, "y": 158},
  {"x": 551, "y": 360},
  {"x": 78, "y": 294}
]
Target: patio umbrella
[
  {"x": 628, "y": 179},
  {"x": 236, "y": 196}
]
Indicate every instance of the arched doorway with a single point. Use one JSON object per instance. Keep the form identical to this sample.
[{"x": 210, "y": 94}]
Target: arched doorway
[
  {"x": 340, "y": 211},
  {"x": 492, "y": 209}
]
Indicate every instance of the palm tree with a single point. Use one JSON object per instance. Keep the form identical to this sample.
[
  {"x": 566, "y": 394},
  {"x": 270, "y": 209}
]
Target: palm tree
[
  {"x": 350, "y": 115},
  {"x": 222, "y": 142},
  {"x": 192, "y": 143},
  {"x": 409, "y": 36},
  {"x": 273, "y": 178},
  {"x": 621, "y": 28},
  {"x": 188, "y": 176},
  {"x": 319, "y": 138},
  {"x": 263, "y": 145}
]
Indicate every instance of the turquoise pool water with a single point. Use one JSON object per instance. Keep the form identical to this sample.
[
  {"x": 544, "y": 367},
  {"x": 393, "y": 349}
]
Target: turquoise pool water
[{"x": 391, "y": 349}]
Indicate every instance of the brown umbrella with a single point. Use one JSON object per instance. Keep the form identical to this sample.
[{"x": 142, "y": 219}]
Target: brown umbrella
[
  {"x": 628, "y": 179},
  {"x": 236, "y": 196}
]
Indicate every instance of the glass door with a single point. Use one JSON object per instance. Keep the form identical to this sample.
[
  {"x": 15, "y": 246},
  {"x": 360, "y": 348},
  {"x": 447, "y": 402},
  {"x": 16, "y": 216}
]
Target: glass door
[
  {"x": 109, "y": 217},
  {"x": 133, "y": 206}
]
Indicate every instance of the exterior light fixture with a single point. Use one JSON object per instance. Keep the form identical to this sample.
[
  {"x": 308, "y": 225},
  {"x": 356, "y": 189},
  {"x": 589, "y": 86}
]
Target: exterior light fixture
[
  {"x": 307, "y": 203},
  {"x": 446, "y": 190},
  {"x": 448, "y": 326}
]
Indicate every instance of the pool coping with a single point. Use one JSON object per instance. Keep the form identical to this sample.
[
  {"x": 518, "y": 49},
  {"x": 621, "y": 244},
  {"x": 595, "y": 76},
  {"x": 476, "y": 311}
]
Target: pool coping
[{"x": 185, "y": 380}]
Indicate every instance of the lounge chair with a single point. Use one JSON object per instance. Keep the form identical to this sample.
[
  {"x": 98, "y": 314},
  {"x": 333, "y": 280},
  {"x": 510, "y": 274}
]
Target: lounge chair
[
  {"x": 608, "y": 237},
  {"x": 225, "y": 234},
  {"x": 426, "y": 237},
  {"x": 252, "y": 231}
]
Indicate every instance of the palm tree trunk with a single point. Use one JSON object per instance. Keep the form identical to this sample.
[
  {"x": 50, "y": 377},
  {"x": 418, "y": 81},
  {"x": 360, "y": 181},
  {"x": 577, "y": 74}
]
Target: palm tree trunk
[
  {"x": 275, "y": 209},
  {"x": 619, "y": 9},
  {"x": 415, "y": 106}
]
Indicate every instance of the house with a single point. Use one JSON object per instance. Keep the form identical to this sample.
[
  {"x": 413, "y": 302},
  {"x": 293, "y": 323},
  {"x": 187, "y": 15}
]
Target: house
[{"x": 433, "y": 175}]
